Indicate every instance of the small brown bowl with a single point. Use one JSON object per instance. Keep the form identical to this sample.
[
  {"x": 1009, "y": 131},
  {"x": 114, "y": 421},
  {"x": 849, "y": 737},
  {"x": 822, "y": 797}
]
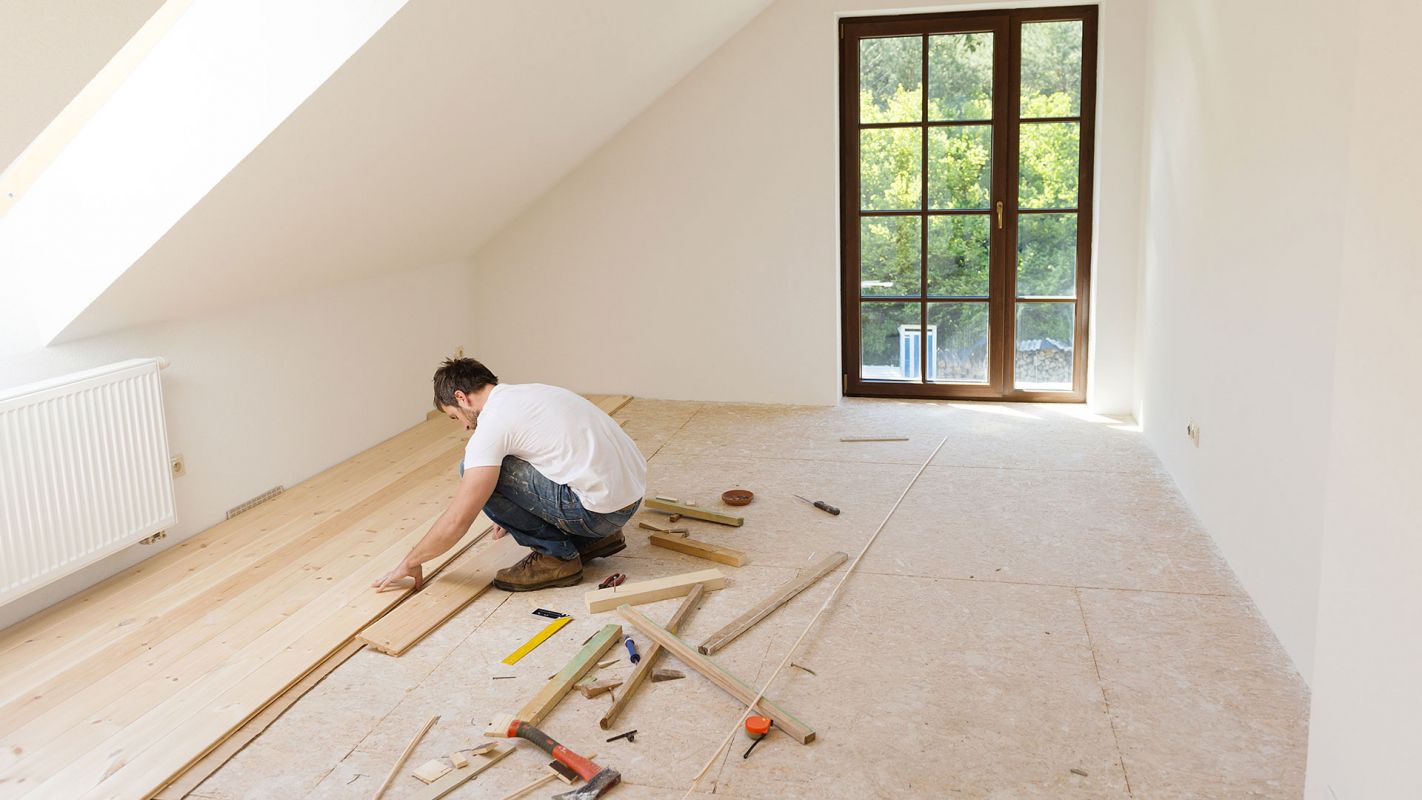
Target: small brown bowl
[{"x": 737, "y": 497}]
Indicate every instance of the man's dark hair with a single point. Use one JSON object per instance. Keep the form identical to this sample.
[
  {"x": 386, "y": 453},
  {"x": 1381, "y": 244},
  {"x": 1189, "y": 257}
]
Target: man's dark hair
[{"x": 460, "y": 375}]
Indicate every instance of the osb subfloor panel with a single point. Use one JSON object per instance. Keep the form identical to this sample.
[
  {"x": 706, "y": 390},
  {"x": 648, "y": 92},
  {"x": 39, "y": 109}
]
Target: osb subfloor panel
[{"x": 1042, "y": 618}]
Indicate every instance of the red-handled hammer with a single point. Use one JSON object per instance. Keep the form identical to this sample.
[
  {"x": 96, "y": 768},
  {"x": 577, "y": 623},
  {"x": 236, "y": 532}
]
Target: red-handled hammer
[{"x": 596, "y": 779}]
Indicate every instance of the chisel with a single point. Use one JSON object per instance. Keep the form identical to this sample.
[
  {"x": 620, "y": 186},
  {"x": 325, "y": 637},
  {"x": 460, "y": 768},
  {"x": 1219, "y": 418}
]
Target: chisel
[{"x": 821, "y": 505}]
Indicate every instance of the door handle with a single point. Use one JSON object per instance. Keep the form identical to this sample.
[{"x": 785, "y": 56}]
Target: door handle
[{"x": 999, "y": 215}]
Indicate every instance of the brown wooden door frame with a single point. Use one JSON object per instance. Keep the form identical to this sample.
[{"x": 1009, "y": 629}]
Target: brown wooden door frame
[{"x": 1006, "y": 26}]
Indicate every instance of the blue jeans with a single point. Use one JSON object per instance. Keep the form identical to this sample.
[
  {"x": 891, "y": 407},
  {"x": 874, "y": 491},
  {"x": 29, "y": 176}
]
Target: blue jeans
[{"x": 547, "y": 516}]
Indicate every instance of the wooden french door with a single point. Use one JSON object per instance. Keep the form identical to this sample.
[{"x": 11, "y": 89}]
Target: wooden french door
[{"x": 966, "y": 168}]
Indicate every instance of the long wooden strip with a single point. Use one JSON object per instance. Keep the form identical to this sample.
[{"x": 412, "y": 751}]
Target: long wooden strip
[
  {"x": 695, "y": 512},
  {"x": 734, "y": 686},
  {"x": 192, "y": 777},
  {"x": 650, "y": 591},
  {"x": 650, "y": 657},
  {"x": 404, "y": 756},
  {"x": 459, "y": 777},
  {"x": 540, "y": 704},
  {"x": 457, "y": 587},
  {"x": 698, "y": 548},
  {"x": 180, "y": 726},
  {"x": 763, "y": 609}
]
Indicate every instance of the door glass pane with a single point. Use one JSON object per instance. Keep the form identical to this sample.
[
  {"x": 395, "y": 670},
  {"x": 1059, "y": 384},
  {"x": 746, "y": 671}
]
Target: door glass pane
[
  {"x": 890, "y": 167},
  {"x": 1046, "y": 255},
  {"x": 1045, "y": 335},
  {"x": 959, "y": 169},
  {"x": 889, "y": 256},
  {"x": 960, "y": 76},
  {"x": 1051, "y": 69},
  {"x": 958, "y": 253},
  {"x": 891, "y": 79},
  {"x": 1049, "y": 164},
  {"x": 889, "y": 341},
  {"x": 958, "y": 337}
]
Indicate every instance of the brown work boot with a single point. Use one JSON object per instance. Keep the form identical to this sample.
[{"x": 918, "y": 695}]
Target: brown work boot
[
  {"x": 539, "y": 571},
  {"x": 589, "y": 549}
]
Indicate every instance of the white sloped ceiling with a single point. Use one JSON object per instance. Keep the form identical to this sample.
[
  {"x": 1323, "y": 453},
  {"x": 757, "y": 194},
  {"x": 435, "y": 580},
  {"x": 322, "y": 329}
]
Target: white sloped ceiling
[{"x": 450, "y": 120}]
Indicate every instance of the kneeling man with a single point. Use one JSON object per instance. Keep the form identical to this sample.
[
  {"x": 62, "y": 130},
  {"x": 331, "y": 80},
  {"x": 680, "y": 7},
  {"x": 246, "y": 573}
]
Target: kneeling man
[{"x": 545, "y": 465}]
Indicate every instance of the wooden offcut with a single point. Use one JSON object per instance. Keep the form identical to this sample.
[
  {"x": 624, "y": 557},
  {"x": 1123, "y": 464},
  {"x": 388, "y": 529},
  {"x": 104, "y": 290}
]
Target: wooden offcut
[
  {"x": 698, "y": 548},
  {"x": 650, "y": 591},
  {"x": 433, "y": 770},
  {"x": 780, "y": 597},
  {"x": 731, "y": 684},
  {"x": 591, "y": 690},
  {"x": 695, "y": 512},
  {"x": 459, "y": 777},
  {"x": 559, "y": 685}
]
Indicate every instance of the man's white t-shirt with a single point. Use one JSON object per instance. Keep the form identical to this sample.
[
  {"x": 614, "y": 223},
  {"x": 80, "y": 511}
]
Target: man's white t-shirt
[{"x": 563, "y": 436}]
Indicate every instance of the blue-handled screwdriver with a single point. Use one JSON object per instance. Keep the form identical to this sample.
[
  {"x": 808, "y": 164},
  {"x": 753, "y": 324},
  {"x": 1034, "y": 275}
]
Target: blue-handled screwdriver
[{"x": 632, "y": 653}]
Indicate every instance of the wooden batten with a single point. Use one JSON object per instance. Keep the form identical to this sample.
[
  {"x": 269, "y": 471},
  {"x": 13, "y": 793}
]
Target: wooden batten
[{"x": 650, "y": 591}]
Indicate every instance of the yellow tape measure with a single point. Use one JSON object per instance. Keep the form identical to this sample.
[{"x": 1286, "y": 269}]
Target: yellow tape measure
[{"x": 542, "y": 636}]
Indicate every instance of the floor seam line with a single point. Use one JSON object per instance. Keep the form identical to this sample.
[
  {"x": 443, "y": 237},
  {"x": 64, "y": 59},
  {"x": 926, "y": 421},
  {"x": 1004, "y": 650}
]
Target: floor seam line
[
  {"x": 1101, "y": 685},
  {"x": 679, "y": 429}
]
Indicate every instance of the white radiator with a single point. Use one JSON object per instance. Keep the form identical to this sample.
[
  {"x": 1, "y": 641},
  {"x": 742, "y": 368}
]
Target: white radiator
[{"x": 83, "y": 471}]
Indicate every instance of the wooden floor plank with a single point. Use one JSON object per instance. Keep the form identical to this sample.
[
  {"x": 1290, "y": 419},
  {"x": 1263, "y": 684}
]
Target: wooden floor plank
[{"x": 442, "y": 598}]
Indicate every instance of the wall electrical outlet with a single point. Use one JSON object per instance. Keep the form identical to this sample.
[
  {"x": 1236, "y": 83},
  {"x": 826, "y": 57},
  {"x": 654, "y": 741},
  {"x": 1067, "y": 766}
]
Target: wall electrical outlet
[
  {"x": 179, "y": 465},
  {"x": 1192, "y": 430}
]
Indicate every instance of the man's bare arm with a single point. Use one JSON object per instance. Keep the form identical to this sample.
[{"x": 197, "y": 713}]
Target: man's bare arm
[{"x": 474, "y": 489}]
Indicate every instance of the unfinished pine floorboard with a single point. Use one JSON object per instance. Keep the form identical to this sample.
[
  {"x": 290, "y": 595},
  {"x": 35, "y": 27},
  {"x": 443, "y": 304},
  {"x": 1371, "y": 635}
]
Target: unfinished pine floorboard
[{"x": 456, "y": 587}]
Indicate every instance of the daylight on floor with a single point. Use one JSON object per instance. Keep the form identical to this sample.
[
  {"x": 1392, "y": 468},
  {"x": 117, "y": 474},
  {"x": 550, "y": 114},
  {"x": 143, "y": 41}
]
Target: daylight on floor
[{"x": 752, "y": 399}]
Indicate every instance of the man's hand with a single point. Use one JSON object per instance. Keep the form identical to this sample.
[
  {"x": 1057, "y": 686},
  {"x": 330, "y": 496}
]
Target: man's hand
[
  {"x": 391, "y": 580},
  {"x": 499, "y": 532}
]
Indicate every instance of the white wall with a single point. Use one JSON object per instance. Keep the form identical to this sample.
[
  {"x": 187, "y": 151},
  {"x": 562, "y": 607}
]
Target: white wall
[
  {"x": 273, "y": 393},
  {"x": 1365, "y": 736},
  {"x": 1239, "y": 295},
  {"x": 696, "y": 255}
]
